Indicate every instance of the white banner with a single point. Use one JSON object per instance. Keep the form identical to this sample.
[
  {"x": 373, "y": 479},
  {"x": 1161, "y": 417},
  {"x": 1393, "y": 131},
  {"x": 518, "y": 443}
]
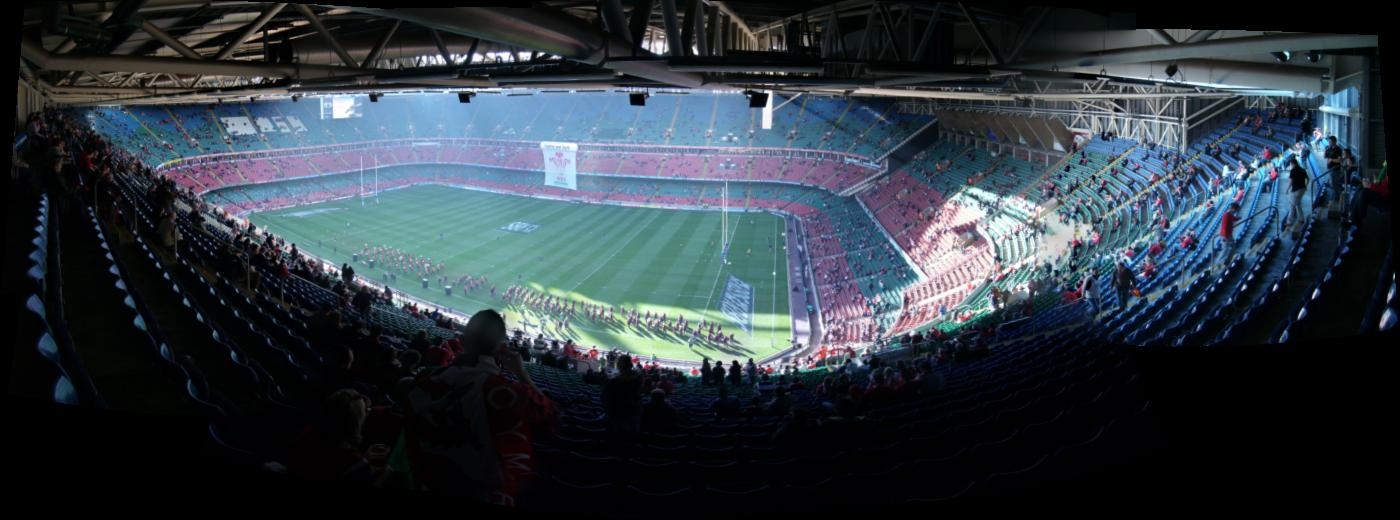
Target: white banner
[{"x": 560, "y": 164}]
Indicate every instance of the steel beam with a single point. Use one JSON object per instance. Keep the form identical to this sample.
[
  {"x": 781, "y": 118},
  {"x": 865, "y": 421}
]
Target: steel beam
[
  {"x": 326, "y": 34},
  {"x": 982, "y": 35},
  {"x": 1257, "y": 45},
  {"x": 674, "y": 42},
  {"x": 249, "y": 31},
  {"x": 169, "y": 41}
]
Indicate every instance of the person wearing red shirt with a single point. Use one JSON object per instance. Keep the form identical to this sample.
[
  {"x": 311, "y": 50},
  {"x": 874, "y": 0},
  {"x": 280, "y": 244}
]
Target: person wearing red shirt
[
  {"x": 1227, "y": 233},
  {"x": 1155, "y": 249},
  {"x": 1188, "y": 241}
]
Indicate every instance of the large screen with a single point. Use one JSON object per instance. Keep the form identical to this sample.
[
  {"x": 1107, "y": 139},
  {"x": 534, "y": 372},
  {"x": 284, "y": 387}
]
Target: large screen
[{"x": 342, "y": 107}]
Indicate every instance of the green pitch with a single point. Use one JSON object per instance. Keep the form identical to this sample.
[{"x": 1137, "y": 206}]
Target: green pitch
[{"x": 658, "y": 260}]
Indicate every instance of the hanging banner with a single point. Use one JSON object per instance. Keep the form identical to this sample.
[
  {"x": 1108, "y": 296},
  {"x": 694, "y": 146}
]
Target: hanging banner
[{"x": 560, "y": 164}]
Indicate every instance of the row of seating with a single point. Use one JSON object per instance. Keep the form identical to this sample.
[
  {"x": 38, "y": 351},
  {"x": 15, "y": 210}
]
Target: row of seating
[
  {"x": 66, "y": 378},
  {"x": 862, "y": 126}
]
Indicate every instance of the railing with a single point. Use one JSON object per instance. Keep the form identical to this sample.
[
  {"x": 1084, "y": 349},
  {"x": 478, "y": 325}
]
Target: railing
[{"x": 1278, "y": 224}]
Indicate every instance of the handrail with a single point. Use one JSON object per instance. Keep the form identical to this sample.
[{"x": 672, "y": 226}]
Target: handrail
[{"x": 1279, "y": 223}]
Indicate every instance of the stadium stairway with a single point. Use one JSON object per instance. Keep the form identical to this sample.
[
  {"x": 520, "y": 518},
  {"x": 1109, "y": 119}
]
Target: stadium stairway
[
  {"x": 1341, "y": 297},
  {"x": 1328, "y": 264}
]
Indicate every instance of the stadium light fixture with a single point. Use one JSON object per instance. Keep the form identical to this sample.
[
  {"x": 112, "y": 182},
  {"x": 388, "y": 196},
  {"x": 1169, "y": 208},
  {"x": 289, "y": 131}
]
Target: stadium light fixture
[
  {"x": 1282, "y": 56},
  {"x": 1313, "y": 56}
]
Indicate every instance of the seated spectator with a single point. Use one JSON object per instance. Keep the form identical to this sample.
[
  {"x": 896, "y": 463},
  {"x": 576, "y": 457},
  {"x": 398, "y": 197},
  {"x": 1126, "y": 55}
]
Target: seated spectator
[
  {"x": 1148, "y": 269},
  {"x": 329, "y": 448},
  {"x": 765, "y": 385},
  {"x": 928, "y": 381},
  {"x": 1155, "y": 249},
  {"x": 439, "y": 356},
  {"x": 726, "y": 405},
  {"x": 1188, "y": 241},
  {"x": 780, "y": 405},
  {"x": 419, "y": 341},
  {"x": 408, "y": 362},
  {"x": 880, "y": 392},
  {"x": 658, "y": 415}
]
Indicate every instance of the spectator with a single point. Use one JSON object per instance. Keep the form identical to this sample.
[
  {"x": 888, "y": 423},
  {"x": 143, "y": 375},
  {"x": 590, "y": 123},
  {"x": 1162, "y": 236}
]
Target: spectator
[
  {"x": 880, "y": 392},
  {"x": 726, "y": 405},
  {"x": 780, "y": 405},
  {"x": 1155, "y": 249},
  {"x": 1089, "y": 289},
  {"x": 658, "y": 415},
  {"x": 439, "y": 356},
  {"x": 1188, "y": 240},
  {"x": 1297, "y": 186},
  {"x": 169, "y": 232},
  {"x": 929, "y": 382},
  {"x": 621, "y": 398},
  {"x": 470, "y": 427},
  {"x": 362, "y": 301},
  {"x": 1333, "y": 154},
  {"x": 419, "y": 341},
  {"x": 329, "y": 448},
  {"x": 408, "y": 362},
  {"x": 1124, "y": 283},
  {"x": 764, "y": 386},
  {"x": 1148, "y": 269},
  {"x": 1227, "y": 235}
]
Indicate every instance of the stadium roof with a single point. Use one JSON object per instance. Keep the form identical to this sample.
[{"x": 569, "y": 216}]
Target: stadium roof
[{"x": 183, "y": 50}]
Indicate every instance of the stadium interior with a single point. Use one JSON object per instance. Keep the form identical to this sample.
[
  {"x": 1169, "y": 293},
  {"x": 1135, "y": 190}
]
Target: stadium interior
[{"x": 791, "y": 255}]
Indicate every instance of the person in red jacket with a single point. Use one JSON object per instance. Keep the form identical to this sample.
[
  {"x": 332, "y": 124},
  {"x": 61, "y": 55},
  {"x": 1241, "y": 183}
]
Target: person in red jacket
[
  {"x": 1188, "y": 240},
  {"x": 1227, "y": 233},
  {"x": 1148, "y": 269},
  {"x": 468, "y": 428},
  {"x": 1155, "y": 249}
]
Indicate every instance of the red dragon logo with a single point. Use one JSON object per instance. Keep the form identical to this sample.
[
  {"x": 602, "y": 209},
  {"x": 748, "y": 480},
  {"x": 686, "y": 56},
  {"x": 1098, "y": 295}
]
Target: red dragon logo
[{"x": 559, "y": 161}]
